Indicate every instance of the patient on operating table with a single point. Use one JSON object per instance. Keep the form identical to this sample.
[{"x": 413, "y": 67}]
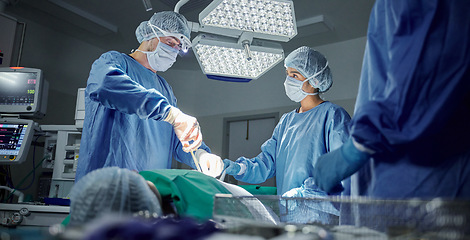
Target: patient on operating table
[
  {"x": 106, "y": 201},
  {"x": 114, "y": 190},
  {"x": 181, "y": 192}
]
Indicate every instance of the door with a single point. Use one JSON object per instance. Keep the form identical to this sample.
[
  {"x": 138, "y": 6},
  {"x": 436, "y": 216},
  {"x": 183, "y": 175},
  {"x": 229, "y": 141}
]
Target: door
[{"x": 243, "y": 136}]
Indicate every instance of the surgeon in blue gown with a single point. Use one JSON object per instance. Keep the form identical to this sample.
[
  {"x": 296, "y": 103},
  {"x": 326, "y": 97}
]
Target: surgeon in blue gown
[
  {"x": 131, "y": 117},
  {"x": 410, "y": 129},
  {"x": 302, "y": 135}
]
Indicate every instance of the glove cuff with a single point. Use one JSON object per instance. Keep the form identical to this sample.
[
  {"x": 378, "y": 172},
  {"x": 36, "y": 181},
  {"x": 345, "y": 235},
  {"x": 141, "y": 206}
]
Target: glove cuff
[
  {"x": 199, "y": 152},
  {"x": 352, "y": 155},
  {"x": 234, "y": 168},
  {"x": 362, "y": 148},
  {"x": 242, "y": 168},
  {"x": 171, "y": 116}
]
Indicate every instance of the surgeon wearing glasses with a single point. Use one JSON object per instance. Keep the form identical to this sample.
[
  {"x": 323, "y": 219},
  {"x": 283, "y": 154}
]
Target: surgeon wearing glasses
[
  {"x": 302, "y": 135},
  {"x": 131, "y": 117}
]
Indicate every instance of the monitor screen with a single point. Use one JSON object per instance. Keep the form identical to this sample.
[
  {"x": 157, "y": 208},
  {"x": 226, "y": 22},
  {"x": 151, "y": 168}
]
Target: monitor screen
[
  {"x": 22, "y": 92},
  {"x": 15, "y": 139}
]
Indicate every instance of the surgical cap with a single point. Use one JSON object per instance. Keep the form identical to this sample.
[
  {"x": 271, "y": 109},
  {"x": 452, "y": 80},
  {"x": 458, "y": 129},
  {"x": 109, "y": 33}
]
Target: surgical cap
[
  {"x": 111, "y": 190},
  {"x": 309, "y": 62},
  {"x": 169, "y": 21}
]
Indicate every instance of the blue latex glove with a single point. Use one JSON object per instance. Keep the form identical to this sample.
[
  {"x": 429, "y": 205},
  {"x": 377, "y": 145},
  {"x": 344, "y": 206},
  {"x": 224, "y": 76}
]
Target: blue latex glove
[
  {"x": 333, "y": 167},
  {"x": 231, "y": 168}
]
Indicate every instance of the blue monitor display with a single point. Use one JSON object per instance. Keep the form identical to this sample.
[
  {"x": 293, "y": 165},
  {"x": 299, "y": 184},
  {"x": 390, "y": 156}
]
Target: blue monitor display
[
  {"x": 15, "y": 139},
  {"x": 23, "y": 92}
]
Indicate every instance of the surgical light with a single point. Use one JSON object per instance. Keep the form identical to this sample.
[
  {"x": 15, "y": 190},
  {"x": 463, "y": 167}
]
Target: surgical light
[
  {"x": 237, "y": 37},
  {"x": 225, "y": 56},
  {"x": 267, "y": 19}
]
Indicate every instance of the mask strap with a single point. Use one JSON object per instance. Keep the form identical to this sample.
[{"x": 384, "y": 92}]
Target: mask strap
[
  {"x": 319, "y": 72},
  {"x": 137, "y": 50},
  {"x": 314, "y": 75},
  {"x": 153, "y": 30},
  {"x": 316, "y": 93},
  {"x": 150, "y": 25}
]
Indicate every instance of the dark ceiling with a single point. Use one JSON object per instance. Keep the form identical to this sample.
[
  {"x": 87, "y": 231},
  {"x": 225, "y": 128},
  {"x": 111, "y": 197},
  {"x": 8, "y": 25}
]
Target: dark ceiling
[{"x": 110, "y": 24}]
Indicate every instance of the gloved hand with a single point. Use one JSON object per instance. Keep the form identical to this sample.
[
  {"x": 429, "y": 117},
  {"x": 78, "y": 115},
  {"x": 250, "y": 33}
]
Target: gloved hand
[
  {"x": 231, "y": 168},
  {"x": 294, "y": 193},
  {"x": 333, "y": 167},
  {"x": 211, "y": 164},
  {"x": 186, "y": 129}
]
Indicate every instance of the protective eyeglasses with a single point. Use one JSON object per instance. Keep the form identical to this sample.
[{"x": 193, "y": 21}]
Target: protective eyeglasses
[{"x": 184, "y": 44}]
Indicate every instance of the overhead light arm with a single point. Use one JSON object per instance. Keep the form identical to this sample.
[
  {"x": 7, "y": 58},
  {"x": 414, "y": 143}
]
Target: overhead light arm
[
  {"x": 147, "y": 5},
  {"x": 194, "y": 26},
  {"x": 245, "y": 40},
  {"x": 179, "y": 5},
  {"x": 246, "y": 46}
]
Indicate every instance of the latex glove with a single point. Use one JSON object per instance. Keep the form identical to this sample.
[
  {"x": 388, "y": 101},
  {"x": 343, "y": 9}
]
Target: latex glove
[
  {"x": 186, "y": 129},
  {"x": 231, "y": 168},
  {"x": 294, "y": 193},
  {"x": 333, "y": 167},
  {"x": 211, "y": 164}
]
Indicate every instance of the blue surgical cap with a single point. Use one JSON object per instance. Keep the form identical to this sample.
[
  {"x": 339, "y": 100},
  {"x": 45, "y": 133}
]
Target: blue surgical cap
[
  {"x": 111, "y": 190},
  {"x": 169, "y": 21},
  {"x": 309, "y": 62}
]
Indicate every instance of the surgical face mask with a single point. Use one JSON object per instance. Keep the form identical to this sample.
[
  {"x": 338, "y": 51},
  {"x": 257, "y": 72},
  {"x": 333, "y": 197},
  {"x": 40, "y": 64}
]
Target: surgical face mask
[
  {"x": 294, "y": 89},
  {"x": 162, "y": 58}
]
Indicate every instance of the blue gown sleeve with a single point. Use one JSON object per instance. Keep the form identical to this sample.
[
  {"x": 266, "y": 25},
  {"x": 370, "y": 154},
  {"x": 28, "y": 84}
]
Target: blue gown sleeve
[
  {"x": 261, "y": 167},
  {"x": 414, "y": 82},
  {"x": 337, "y": 129},
  {"x": 113, "y": 88}
]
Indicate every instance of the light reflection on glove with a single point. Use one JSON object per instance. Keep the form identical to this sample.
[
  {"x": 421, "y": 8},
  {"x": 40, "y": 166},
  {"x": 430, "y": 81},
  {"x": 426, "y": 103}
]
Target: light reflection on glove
[
  {"x": 294, "y": 193},
  {"x": 211, "y": 164},
  {"x": 186, "y": 129}
]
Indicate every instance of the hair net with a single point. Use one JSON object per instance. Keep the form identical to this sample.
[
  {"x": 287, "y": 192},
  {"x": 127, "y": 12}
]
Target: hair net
[
  {"x": 169, "y": 21},
  {"x": 111, "y": 190},
  {"x": 309, "y": 62}
]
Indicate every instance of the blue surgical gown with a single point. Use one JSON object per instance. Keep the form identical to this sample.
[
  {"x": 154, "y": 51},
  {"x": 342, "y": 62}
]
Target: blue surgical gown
[
  {"x": 124, "y": 107},
  {"x": 413, "y": 105},
  {"x": 297, "y": 142}
]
